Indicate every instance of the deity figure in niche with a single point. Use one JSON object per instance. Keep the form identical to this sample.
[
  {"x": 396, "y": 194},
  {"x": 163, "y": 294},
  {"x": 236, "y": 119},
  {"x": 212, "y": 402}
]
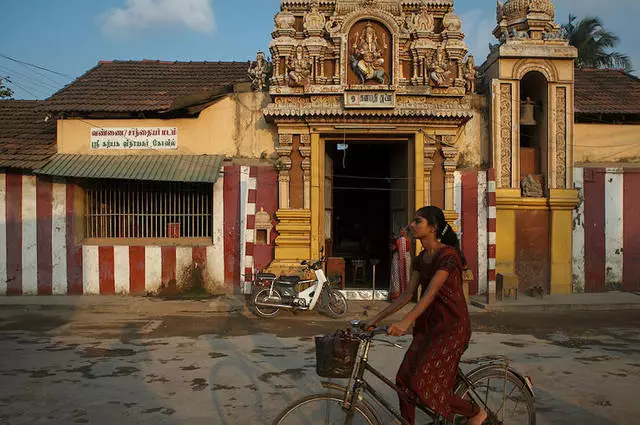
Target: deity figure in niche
[
  {"x": 299, "y": 68},
  {"x": 439, "y": 72},
  {"x": 259, "y": 72},
  {"x": 470, "y": 75},
  {"x": 367, "y": 56}
]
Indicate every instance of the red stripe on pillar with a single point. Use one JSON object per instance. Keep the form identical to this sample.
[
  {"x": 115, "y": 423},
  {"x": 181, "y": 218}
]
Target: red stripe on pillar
[
  {"x": 44, "y": 212},
  {"x": 168, "y": 264},
  {"x": 469, "y": 223},
  {"x": 252, "y": 196},
  {"x": 137, "y": 270},
  {"x": 74, "y": 250},
  {"x": 253, "y": 172},
  {"x": 249, "y": 249},
  {"x": 107, "y": 267},
  {"x": 231, "y": 224},
  {"x": 14, "y": 234},
  {"x": 631, "y": 235},
  {"x": 594, "y": 232},
  {"x": 251, "y": 222}
]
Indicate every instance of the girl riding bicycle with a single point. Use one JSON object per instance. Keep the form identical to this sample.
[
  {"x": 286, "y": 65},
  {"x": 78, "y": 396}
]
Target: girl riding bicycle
[{"x": 441, "y": 326}]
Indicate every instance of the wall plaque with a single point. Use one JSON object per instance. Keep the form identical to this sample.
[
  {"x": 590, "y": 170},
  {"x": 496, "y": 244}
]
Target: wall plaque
[{"x": 370, "y": 100}]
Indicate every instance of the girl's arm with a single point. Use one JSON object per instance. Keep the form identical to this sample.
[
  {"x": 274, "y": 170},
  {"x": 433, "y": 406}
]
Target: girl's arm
[
  {"x": 400, "y": 328},
  {"x": 400, "y": 302}
]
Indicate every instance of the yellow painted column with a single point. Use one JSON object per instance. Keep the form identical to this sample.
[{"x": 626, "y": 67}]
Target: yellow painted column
[
  {"x": 506, "y": 199},
  {"x": 562, "y": 203},
  {"x": 420, "y": 174},
  {"x": 420, "y": 188},
  {"x": 317, "y": 175}
]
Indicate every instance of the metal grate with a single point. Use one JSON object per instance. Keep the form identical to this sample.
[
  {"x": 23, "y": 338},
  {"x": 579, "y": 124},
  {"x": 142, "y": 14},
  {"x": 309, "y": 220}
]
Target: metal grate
[{"x": 125, "y": 209}]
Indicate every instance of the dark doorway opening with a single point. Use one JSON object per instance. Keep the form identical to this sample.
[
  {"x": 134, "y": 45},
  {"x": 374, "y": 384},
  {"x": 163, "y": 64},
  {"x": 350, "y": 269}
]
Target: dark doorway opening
[{"x": 366, "y": 198}]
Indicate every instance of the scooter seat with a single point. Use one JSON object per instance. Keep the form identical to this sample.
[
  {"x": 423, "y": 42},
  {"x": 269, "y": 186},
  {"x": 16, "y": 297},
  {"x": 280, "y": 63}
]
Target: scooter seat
[
  {"x": 265, "y": 276},
  {"x": 289, "y": 280}
]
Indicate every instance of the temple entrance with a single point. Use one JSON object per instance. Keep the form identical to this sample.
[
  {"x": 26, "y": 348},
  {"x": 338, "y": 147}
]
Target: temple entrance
[{"x": 367, "y": 196}]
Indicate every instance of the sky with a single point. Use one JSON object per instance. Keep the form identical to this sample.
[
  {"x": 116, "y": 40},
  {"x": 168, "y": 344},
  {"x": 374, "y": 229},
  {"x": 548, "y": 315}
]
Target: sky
[{"x": 69, "y": 37}]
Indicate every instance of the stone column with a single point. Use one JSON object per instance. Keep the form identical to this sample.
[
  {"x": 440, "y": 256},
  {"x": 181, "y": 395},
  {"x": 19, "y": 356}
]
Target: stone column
[
  {"x": 429, "y": 151},
  {"x": 451, "y": 155},
  {"x": 284, "y": 148},
  {"x": 305, "y": 151}
]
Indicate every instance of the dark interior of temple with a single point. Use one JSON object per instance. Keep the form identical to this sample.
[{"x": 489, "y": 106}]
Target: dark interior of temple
[{"x": 367, "y": 181}]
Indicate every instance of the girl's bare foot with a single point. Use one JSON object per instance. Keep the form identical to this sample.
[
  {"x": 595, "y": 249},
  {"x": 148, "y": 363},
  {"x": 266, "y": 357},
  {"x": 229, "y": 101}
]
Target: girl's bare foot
[{"x": 478, "y": 419}]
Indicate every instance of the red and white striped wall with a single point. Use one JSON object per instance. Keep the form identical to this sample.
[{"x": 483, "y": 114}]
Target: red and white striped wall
[
  {"x": 248, "y": 196},
  {"x": 247, "y": 189},
  {"x": 606, "y": 235},
  {"x": 470, "y": 200},
  {"x": 41, "y": 252}
]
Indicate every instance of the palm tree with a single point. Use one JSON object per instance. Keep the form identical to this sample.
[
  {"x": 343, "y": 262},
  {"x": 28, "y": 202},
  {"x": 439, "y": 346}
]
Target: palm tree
[
  {"x": 5, "y": 92},
  {"x": 595, "y": 44}
]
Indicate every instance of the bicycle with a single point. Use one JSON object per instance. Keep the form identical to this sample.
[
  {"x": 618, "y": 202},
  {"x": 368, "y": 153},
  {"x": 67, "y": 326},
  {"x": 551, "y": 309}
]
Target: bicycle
[
  {"x": 284, "y": 293},
  {"x": 346, "y": 405}
]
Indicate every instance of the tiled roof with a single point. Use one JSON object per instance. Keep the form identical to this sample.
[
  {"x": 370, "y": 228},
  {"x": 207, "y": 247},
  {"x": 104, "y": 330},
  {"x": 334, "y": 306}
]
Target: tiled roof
[
  {"x": 144, "y": 86},
  {"x": 606, "y": 91},
  {"x": 26, "y": 140}
]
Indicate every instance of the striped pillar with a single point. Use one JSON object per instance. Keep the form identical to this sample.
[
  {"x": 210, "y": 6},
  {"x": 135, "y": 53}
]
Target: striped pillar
[
  {"x": 491, "y": 235},
  {"x": 578, "y": 233},
  {"x": 614, "y": 229},
  {"x": 252, "y": 196}
]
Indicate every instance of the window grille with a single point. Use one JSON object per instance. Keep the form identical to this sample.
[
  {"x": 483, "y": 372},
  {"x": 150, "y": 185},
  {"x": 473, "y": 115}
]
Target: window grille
[{"x": 128, "y": 209}]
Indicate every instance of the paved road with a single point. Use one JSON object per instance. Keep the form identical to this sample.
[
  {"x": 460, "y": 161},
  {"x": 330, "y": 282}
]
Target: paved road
[{"x": 65, "y": 366}]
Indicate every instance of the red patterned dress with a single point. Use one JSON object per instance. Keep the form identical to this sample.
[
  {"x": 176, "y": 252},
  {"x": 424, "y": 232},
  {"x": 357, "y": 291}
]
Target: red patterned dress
[{"x": 440, "y": 336}]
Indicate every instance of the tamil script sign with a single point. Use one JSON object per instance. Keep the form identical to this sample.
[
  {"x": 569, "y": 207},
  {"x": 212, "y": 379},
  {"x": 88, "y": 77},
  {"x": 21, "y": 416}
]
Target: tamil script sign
[
  {"x": 369, "y": 100},
  {"x": 134, "y": 138}
]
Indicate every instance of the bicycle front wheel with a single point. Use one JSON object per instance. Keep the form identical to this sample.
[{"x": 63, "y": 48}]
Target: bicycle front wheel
[
  {"x": 336, "y": 304},
  {"x": 507, "y": 400},
  {"x": 325, "y": 409}
]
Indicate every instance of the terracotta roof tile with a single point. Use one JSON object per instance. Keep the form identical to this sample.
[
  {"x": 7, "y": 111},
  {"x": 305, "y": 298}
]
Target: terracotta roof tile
[
  {"x": 26, "y": 140},
  {"x": 143, "y": 86},
  {"x": 606, "y": 91}
]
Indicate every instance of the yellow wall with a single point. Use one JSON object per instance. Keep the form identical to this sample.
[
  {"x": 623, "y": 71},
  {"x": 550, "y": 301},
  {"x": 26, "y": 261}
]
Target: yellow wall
[
  {"x": 234, "y": 126},
  {"x": 474, "y": 141},
  {"x": 606, "y": 143}
]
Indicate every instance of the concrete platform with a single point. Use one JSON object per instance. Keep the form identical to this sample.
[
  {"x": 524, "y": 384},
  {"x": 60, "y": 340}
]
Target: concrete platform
[{"x": 558, "y": 302}]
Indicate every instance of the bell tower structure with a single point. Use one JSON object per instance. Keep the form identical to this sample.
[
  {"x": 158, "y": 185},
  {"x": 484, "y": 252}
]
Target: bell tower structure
[{"x": 529, "y": 76}]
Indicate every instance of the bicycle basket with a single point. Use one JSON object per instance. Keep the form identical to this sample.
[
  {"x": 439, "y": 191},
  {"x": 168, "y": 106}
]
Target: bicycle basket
[{"x": 336, "y": 355}]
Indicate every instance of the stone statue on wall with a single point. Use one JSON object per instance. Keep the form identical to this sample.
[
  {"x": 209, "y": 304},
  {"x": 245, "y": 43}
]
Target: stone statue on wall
[
  {"x": 259, "y": 72},
  {"x": 439, "y": 72},
  {"x": 470, "y": 75},
  {"x": 367, "y": 56},
  {"x": 531, "y": 188},
  {"x": 299, "y": 68}
]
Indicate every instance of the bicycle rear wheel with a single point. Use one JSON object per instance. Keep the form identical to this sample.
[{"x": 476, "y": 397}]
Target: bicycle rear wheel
[
  {"x": 506, "y": 397},
  {"x": 325, "y": 409}
]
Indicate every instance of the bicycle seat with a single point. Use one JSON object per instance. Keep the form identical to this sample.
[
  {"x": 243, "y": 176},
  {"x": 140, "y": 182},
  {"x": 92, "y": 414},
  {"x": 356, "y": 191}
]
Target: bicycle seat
[
  {"x": 261, "y": 276},
  {"x": 289, "y": 280}
]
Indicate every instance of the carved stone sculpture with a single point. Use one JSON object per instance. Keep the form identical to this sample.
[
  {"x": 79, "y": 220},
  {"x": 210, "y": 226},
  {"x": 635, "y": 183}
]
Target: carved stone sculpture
[
  {"x": 439, "y": 72},
  {"x": 470, "y": 75},
  {"x": 367, "y": 56},
  {"x": 314, "y": 22},
  {"x": 423, "y": 22},
  {"x": 531, "y": 188},
  {"x": 299, "y": 68},
  {"x": 259, "y": 72}
]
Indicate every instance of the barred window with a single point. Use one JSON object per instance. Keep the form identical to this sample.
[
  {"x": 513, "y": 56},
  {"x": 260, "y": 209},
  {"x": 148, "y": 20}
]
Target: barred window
[{"x": 130, "y": 209}]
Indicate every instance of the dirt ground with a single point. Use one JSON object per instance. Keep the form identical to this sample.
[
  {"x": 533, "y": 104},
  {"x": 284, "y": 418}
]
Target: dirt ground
[{"x": 66, "y": 366}]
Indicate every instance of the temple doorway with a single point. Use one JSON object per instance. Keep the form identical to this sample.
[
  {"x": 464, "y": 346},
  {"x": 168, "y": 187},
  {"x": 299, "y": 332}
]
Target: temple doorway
[{"x": 368, "y": 188}]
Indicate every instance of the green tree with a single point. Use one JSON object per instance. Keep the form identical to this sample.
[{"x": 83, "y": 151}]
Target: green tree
[
  {"x": 595, "y": 44},
  {"x": 5, "y": 92}
]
